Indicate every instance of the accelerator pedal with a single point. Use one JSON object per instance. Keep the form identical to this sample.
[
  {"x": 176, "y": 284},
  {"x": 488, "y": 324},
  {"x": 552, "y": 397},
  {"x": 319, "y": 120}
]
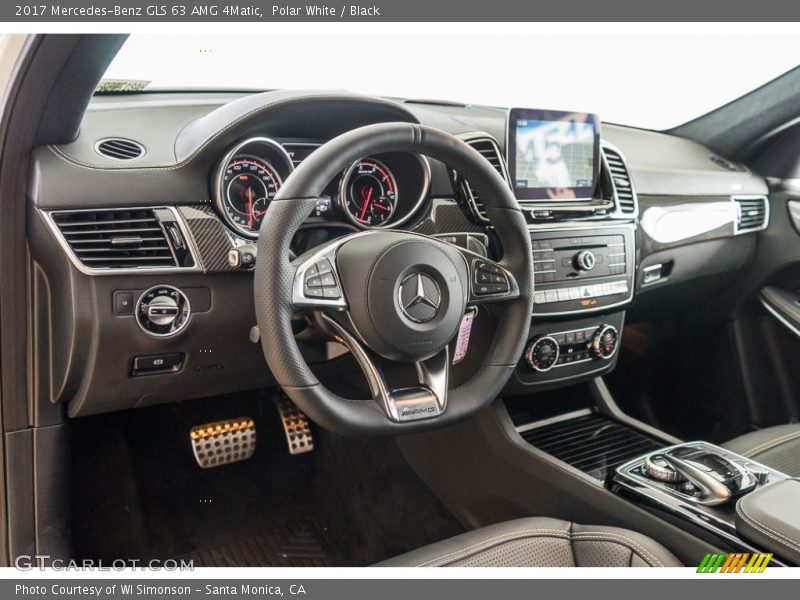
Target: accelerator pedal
[
  {"x": 295, "y": 426},
  {"x": 223, "y": 442}
]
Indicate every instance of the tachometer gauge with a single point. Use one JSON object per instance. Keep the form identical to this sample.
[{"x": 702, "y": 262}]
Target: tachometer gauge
[
  {"x": 369, "y": 193},
  {"x": 248, "y": 187}
]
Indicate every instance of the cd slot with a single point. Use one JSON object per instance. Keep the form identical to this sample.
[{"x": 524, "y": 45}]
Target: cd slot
[
  {"x": 571, "y": 259},
  {"x": 577, "y": 270}
]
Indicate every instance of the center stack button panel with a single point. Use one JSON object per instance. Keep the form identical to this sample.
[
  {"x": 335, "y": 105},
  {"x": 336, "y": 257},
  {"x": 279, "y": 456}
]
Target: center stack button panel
[{"x": 577, "y": 271}]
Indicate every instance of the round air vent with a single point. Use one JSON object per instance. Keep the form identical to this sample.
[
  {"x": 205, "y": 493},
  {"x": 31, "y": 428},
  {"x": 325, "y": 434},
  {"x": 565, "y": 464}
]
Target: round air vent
[{"x": 119, "y": 148}]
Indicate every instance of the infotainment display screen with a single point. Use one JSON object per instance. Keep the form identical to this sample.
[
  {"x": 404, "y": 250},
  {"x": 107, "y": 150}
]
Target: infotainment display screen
[{"x": 553, "y": 155}]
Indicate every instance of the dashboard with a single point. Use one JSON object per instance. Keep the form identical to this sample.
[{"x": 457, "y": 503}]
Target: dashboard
[{"x": 134, "y": 227}]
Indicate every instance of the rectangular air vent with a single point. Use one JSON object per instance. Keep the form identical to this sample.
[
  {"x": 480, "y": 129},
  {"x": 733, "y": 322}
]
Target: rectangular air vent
[
  {"x": 117, "y": 238},
  {"x": 491, "y": 152},
  {"x": 620, "y": 177},
  {"x": 752, "y": 213}
]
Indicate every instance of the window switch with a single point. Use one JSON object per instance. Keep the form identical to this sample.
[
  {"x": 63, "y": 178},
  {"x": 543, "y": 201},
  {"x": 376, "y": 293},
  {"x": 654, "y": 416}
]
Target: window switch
[{"x": 123, "y": 303}]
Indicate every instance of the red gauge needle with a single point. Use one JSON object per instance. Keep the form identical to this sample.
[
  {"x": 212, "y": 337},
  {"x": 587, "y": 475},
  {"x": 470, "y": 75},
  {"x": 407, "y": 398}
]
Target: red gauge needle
[
  {"x": 382, "y": 207},
  {"x": 367, "y": 200},
  {"x": 250, "y": 207}
]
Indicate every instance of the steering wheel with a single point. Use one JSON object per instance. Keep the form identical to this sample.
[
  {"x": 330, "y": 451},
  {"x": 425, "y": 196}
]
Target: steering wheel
[{"x": 392, "y": 294}]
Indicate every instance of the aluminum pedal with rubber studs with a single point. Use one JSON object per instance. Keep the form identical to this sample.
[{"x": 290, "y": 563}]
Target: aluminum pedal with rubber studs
[
  {"x": 223, "y": 442},
  {"x": 295, "y": 426}
]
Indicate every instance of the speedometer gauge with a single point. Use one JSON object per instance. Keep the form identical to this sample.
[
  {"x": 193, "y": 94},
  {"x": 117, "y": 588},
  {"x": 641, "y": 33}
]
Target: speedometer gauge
[
  {"x": 369, "y": 193},
  {"x": 248, "y": 187}
]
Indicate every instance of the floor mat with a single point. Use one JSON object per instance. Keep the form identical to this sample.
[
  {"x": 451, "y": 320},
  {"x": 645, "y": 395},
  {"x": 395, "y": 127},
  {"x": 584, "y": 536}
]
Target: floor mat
[
  {"x": 300, "y": 544},
  {"x": 139, "y": 494}
]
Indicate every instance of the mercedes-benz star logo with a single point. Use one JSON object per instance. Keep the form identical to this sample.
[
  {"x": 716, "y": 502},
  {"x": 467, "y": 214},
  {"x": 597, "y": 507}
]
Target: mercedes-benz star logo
[{"x": 420, "y": 297}]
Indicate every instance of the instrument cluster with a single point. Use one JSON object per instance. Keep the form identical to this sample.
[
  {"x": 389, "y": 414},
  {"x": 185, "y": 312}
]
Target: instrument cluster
[{"x": 382, "y": 191}]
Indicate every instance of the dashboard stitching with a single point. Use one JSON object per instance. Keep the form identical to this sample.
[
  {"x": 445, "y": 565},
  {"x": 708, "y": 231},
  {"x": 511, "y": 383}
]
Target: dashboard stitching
[
  {"x": 153, "y": 107},
  {"x": 60, "y": 154}
]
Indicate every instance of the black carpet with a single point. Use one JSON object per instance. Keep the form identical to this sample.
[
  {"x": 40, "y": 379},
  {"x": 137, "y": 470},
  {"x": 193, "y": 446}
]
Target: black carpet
[
  {"x": 300, "y": 544},
  {"x": 138, "y": 493}
]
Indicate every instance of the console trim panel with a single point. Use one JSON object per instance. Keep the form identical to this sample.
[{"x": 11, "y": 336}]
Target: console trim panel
[
  {"x": 719, "y": 519},
  {"x": 629, "y": 276}
]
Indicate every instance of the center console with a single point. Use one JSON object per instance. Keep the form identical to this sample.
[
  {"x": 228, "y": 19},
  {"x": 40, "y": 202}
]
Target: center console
[
  {"x": 581, "y": 208},
  {"x": 699, "y": 486}
]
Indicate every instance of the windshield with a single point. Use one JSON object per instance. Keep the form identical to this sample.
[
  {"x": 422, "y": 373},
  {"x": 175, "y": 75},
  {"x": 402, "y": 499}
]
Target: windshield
[{"x": 649, "y": 81}]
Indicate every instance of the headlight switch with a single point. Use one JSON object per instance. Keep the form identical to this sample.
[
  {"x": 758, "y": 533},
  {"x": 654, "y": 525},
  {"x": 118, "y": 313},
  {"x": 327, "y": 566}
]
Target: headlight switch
[{"x": 163, "y": 311}]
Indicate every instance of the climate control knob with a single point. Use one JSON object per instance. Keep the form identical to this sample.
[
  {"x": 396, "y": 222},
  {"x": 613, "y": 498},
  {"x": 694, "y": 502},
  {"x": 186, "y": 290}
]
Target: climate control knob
[
  {"x": 542, "y": 354},
  {"x": 604, "y": 342}
]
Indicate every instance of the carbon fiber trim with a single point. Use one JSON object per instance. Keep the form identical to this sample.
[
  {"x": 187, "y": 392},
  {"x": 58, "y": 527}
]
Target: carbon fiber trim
[
  {"x": 445, "y": 216},
  {"x": 213, "y": 238},
  {"x": 210, "y": 236}
]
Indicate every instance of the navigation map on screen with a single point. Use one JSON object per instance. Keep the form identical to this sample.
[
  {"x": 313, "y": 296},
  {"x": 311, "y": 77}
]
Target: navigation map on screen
[{"x": 554, "y": 158}]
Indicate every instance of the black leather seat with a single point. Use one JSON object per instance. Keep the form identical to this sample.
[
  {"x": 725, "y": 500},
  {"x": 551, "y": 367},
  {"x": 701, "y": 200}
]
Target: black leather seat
[
  {"x": 541, "y": 542},
  {"x": 777, "y": 447}
]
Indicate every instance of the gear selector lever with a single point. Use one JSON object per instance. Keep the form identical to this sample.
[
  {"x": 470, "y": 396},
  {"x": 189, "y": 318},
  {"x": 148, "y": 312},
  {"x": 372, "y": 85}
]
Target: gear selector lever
[{"x": 717, "y": 478}]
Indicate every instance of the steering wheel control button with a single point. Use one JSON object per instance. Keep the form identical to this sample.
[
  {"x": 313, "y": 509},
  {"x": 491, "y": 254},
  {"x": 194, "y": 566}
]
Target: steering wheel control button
[
  {"x": 324, "y": 266},
  {"x": 163, "y": 311},
  {"x": 327, "y": 279},
  {"x": 420, "y": 297},
  {"x": 320, "y": 282},
  {"x": 542, "y": 354},
  {"x": 489, "y": 279},
  {"x": 604, "y": 342}
]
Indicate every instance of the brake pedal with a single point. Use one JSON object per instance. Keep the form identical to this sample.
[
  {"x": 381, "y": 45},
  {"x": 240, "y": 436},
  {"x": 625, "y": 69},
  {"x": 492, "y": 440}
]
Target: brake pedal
[
  {"x": 295, "y": 426},
  {"x": 223, "y": 442}
]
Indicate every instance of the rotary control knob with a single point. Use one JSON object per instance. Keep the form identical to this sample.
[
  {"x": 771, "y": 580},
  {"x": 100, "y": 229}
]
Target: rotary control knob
[
  {"x": 585, "y": 260},
  {"x": 659, "y": 469},
  {"x": 162, "y": 311},
  {"x": 542, "y": 354},
  {"x": 604, "y": 342}
]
